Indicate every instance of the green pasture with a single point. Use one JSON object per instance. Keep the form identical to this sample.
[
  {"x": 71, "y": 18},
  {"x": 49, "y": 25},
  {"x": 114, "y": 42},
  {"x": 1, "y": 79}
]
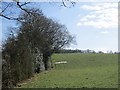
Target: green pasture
[{"x": 81, "y": 71}]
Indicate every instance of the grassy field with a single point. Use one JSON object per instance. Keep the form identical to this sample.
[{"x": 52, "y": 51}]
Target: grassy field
[{"x": 82, "y": 70}]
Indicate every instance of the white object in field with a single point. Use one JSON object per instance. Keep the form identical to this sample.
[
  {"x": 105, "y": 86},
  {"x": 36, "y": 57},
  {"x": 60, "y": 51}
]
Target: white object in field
[{"x": 62, "y": 62}]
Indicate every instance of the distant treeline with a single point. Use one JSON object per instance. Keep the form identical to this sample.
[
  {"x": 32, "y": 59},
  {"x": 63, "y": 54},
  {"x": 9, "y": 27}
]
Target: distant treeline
[
  {"x": 76, "y": 51},
  {"x": 83, "y": 51}
]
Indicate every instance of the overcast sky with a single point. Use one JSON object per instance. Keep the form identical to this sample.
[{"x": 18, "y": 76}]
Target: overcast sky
[{"x": 95, "y": 25}]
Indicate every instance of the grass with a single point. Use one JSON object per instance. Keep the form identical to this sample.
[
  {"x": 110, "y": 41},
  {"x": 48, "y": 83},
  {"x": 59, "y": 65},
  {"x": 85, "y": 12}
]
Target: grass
[{"x": 82, "y": 70}]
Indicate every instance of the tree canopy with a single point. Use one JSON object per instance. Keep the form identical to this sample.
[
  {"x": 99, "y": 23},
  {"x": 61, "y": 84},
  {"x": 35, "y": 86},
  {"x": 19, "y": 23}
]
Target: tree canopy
[{"x": 44, "y": 33}]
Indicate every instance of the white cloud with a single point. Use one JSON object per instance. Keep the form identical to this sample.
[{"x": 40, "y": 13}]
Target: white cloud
[
  {"x": 104, "y": 32},
  {"x": 100, "y": 15},
  {"x": 89, "y": 7}
]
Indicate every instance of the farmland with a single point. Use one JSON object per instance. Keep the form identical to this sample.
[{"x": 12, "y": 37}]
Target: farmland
[{"x": 81, "y": 71}]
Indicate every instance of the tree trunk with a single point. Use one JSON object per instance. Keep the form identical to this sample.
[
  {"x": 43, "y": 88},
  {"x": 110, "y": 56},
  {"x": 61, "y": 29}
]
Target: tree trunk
[{"x": 46, "y": 61}]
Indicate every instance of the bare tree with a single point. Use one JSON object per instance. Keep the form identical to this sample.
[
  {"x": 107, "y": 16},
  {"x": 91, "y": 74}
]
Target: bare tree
[{"x": 44, "y": 33}]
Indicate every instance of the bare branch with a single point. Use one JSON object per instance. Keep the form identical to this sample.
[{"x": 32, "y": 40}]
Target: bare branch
[
  {"x": 5, "y": 8},
  {"x": 65, "y": 5},
  {"x": 9, "y": 18},
  {"x": 63, "y": 2},
  {"x": 18, "y": 3},
  {"x": 12, "y": 18},
  {"x": 25, "y": 3},
  {"x": 73, "y": 3},
  {"x": 20, "y": 6}
]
